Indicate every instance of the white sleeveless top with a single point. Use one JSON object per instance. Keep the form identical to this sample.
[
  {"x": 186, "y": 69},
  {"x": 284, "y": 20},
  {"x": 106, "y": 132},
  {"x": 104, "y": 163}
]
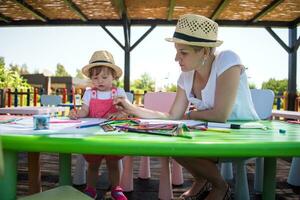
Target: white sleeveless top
[{"x": 243, "y": 108}]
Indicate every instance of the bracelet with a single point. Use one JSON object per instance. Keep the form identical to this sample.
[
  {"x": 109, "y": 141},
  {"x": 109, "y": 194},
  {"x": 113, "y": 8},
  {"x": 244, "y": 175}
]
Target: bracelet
[{"x": 188, "y": 115}]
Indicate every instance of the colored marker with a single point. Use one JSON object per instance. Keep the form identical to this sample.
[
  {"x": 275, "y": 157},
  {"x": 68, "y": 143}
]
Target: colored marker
[
  {"x": 218, "y": 130},
  {"x": 88, "y": 125}
]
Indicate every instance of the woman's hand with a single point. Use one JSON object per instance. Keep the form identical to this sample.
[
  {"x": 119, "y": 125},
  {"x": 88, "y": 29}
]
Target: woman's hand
[
  {"x": 123, "y": 105},
  {"x": 73, "y": 114},
  {"x": 117, "y": 115}
]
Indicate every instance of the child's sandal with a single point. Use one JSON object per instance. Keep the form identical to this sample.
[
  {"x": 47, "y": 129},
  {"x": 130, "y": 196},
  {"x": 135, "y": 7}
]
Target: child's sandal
[
  {"x": 117, "y": 193},
  {"x": 91, "y": 192}
]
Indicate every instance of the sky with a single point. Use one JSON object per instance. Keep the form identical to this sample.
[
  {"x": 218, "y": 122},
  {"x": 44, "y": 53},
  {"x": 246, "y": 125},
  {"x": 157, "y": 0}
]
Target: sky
[{"x": 43, "y": 47}]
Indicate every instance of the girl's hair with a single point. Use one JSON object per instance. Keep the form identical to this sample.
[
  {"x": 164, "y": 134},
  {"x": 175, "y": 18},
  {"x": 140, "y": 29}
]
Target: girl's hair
[{"x": 94, "y": 71}]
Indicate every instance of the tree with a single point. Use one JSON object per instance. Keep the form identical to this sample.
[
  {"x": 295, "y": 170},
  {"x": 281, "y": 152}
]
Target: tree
[
  {"x": 61, "y": 71},
  {"x": 278, "y": 86},
  {"x": 120, "y": 83},
  {"x": 171, "y": 88},
  {"x": 20, "y": 70},
  {"x": 24, "y": 69},
  {"x": 10, "y": 78},
  {"x": 144, "y": 83},
  {"x": 252, "y": 86},
  {"x": 79, "y": 74}
]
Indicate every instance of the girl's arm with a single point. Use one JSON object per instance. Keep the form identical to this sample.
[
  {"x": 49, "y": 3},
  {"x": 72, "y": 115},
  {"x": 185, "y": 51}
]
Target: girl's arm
[
  {"x": 81, "y": 113},
  {"x": 225, "y": 95}
]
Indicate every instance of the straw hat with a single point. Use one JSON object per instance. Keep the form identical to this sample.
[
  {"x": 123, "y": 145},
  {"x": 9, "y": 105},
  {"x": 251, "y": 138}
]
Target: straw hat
[
  {"x": 196, "y": 30},
  {"x": 102, "y": 58}
]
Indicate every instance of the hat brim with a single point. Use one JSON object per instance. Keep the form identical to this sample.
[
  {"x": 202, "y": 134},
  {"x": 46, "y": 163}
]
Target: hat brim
[
  {"x": 118, "y": 70},
  {"x": 201, "y": 44}
]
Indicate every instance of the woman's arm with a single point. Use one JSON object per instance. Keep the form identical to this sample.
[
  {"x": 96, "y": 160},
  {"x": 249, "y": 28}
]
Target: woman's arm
[
  {"x": 179, "y": 105},
  {"x": 225, "y": 95},
  {"x": 177, "y": 110}
]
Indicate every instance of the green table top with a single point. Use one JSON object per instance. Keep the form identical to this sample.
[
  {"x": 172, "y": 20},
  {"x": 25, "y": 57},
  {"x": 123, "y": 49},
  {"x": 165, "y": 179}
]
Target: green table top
[{"x": 237, "y": 143}]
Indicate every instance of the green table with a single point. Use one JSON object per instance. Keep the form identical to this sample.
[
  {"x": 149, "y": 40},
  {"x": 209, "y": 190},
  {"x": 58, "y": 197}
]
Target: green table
[{"x": 238, "y": 143}]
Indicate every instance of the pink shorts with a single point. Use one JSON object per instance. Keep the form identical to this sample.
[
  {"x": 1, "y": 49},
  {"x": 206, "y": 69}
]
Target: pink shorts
[{"x": 90, "y": 158}]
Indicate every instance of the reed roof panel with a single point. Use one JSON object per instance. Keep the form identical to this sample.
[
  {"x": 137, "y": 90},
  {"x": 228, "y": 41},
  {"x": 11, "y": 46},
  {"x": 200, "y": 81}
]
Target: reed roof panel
[{"x": 144, "y": 12}]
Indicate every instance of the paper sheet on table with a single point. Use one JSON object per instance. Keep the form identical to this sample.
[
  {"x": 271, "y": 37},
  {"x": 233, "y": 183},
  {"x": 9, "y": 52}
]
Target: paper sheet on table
[
  {"x": 246, "y": 125},
  {"x": 58, "y": 129}
]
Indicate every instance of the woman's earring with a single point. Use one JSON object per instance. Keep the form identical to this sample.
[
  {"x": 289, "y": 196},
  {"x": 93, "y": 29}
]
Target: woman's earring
[{"x": 203, "y": 61}]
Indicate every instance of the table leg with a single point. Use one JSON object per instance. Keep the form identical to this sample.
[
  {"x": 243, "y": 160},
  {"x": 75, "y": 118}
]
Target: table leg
[
  {"x": 8, "y": 182},
  {"x": 34, "y": 173},
  {"x": 64, "y": 169},
  {"x": 269, "y": 178}
]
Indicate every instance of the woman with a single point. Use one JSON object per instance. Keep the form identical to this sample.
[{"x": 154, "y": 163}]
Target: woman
[{"x": 215, "y": 84}]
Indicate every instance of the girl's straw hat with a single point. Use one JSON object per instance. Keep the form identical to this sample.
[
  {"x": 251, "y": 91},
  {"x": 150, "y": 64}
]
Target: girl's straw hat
[
  {"x": 102, "y": 58},
  {"x": 196, "y": 30}
]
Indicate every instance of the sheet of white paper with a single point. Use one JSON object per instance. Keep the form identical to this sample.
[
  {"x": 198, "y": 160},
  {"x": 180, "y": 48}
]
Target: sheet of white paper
[
  {"x": 163, "y": 121},
  {"x": 25, "y": 127},
  {"x": 248, "y": 125}
]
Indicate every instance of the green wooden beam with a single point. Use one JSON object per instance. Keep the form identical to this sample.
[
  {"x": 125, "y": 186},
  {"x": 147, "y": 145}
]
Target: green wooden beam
[
  {"x": 120, "y": 6},
  {"x": 171, "y": 9},
  {"x": 266, "y": 10},
  {"x": 222, "y": 5},
  {"x": 4, "y": 18},
  {"x": 76, "y": 10},
  {"x": 30, "y": 9}
]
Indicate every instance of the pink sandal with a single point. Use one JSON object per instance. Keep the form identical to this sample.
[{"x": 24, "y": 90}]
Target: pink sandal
[
  {"x": 117, "y": 193},
  {"x": 91, "y": 192}
]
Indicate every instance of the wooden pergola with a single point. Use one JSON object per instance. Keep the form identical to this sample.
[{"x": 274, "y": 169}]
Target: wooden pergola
[{"x": 126, "y": 13}]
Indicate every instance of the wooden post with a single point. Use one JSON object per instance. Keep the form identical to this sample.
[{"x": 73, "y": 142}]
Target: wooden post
[
  {"x": 16, "y": 97},
  {"x": 9, "y": 97},
  {"x": 21, "y": 97},
  {"x": 34, "y": 172},
  {"x": 28, "y": 97},
  {"x": 64, "y": 95},
  {"x": 35, "y": 93}
]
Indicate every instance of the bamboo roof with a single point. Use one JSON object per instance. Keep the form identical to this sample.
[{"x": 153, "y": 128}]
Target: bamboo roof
[{"x": 279, "y": 13}]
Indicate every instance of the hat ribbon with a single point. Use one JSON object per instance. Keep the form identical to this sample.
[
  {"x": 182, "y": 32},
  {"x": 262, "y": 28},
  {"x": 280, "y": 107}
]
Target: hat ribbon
[
  {"x": 96, "y": 61},
  {"x": 190, "y": 38}
]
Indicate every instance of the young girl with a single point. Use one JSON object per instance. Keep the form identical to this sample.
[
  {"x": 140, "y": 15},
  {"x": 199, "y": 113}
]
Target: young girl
[{"x": 98, "y": 103}]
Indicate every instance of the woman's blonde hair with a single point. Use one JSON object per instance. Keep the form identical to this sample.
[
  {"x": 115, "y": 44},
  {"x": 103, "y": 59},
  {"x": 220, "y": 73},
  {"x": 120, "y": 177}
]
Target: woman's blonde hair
[{"x": 198, "y": 48}]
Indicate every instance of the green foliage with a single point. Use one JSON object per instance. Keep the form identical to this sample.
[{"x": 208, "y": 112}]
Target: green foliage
[
  {"x": 79, "y": 74},
  {"x": 252, "y": 86},
  {"x": 20, "y": 70},
  {"x": 61, "y": 71},
  {"x": 171, "y": 88},
  {"x": 120, "y": 83},
  {"x": 10, "y": 78},
  {"x": 278, "y": 86},
  {"x": 144, "y": 83}
]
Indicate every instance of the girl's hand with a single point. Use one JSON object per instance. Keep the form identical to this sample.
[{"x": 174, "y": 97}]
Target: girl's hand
[{"x": 73, "y": 114}]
